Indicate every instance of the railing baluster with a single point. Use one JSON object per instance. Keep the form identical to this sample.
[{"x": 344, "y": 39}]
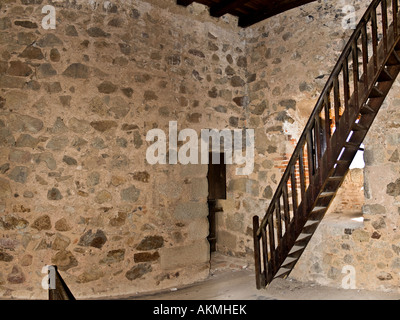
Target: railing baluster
[
  {"x": 395, "y": 8},
  {"x": 355, "y": 72},
  {"x": 317, "y": 142},
  {"x": 346, "y": 86},
  {"x": 384, "y": 25},
  {"x": 327, "y": 129},
  {"x": 257, "y": 257},
  {"x": 336, "y": 96},
  {"x": 265, "y": 253},
  {"x": 310, "y": 156},
  {"x": 294, "y": 191},
  {"x": 271, "y": 242},
  {"x": 278, "y": 221},
  {"x": 374, "y": 26},
  {"x": 365, "y": 55},
  {"x": 302, "y": 181},
  {"x": 286, "y": 214}
]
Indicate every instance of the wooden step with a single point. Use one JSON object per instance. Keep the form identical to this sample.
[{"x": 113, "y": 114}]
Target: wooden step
[
  {"x": 335, "y": 178},
  {"x": 343, "y": 162},
  {"x": 303, "y": 236},
  {"x": 288, "y": 261},
  {"x": 326, "y": 194},
  {"x": 366, "y": 109},
  {"x": 318, "y": 209},
  {"x": 311, "y": 223},
  {"x": 385, "y": 76},
  {"x": 282, "y": 273},
  {"x": 393, "y": 60},
  {"x": 358, "y": 127},
  {"x": 352, "y": 145},
  {"x": 296, "y": 248},
  {"x": 376, "y": 93}
]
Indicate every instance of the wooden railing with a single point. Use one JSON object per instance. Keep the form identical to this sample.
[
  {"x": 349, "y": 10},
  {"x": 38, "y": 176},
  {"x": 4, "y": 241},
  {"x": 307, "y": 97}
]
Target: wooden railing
[
  {"x": 61, "y": 290},
  {"x": 331, "y": 138}
]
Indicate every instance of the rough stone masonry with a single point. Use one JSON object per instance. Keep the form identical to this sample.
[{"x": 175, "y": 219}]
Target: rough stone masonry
[{"x": 77, "y": 101}]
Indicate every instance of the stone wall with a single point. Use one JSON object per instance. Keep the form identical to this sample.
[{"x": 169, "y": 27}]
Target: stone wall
[{"x": 76, "y": 103}]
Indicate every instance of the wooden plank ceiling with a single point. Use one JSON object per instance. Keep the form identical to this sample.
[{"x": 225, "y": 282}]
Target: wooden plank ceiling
[{"x": 249, "y": 12}]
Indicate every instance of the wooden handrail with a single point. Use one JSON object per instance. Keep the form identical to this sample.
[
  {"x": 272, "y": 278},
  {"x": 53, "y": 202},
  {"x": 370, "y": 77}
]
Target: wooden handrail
[{"x": 61, "y": 290}]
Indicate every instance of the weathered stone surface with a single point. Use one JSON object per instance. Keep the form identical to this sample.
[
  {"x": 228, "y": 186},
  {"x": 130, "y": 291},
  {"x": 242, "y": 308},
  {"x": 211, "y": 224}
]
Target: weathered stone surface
[
  {"x": 195, "y": 253},
  {"x": 55, "y": 55},
  {"x": 49, "y": 40},
  {"x": 91, "y": 239},
  {"x": 42, "y": 223},
  {"x": 12, "y": 222},
  {"x": 26, "y": 141},
  {"x": 26, "y": 24},
  {"x": 113, "y": 256},
  {"x": 150, "y": 243},
  {"x": 77, "y": 71},
  {"x": 138, "y": 271},
  {"x": 91, "y": 275},
  {"x": 62, "y": 225},
  {"x": 64, "y": 260},
  {"x": 23, "y": 123},
  {"x": 19, "y": 156},
  {"x": 130, "y": 194},
  {"x": 97, "y": 32},
  {"x": 46, "y": 157},
  {"x": 119, "y": 220},
  {"x": 103, "y": 125},
  {"x": 16, "y": 276},
  {"x": 54, "y": 194},
  {"x": 79, "y": 125},
  {"x": 19, "y": 174},
  {"x": 142, "y": 176},
  {"x": 197, "y": 53},
  {"x": 4, "y": 168},
  {"x": 93, "y": 179},
  {"x": 61, "y": 242},
  {"x": 107, "y": 87},
  {"x": 70, "y": 161},
  {"x": 19, "y": 68},
  {"x": 7, "y": 81},
  {"x": 5, "y": 189},
  {"x": 393, "y": 188},
  {"x": 190, "y": 210},
  {"x": 46, "y": 70},
  {"x": 26, "y": 260},
  {"x": 57, "y": 143},
  {"x": 146, "y": 256},
  {"x": 70, "y": 30},
  {"x": 5, "y": 23},
  {"x": 384, "y": 276},
  {"x": 5, "y": 257},
  {"x": 6, "y": 137},
  {"x": 103, "y": 196},
  {"x": 31, "y": 52}
]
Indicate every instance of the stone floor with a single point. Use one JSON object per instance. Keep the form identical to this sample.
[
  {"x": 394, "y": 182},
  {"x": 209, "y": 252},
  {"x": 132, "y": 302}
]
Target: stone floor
[{"x": 233, "y": 279}]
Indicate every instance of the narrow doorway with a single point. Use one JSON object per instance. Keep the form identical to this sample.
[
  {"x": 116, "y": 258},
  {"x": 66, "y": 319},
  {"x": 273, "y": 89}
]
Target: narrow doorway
[{"x": 216, "y": 190}]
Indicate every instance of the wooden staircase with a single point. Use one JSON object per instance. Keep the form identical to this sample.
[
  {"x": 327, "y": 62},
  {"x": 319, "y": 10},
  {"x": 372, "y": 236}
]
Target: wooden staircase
[{"x": 351, "y": 99}]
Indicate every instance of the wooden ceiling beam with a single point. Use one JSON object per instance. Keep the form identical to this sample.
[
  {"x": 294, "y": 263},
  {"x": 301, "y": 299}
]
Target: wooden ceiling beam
[
  {"x": 248, "y": 20},
  {"x": 184, "y": 2},
  {"x": 226, "y": 6}
]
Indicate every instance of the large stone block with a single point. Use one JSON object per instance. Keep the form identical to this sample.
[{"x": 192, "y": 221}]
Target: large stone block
[
  {"x": 191, "y": 210},
  {"x": 197, "y": 252}
]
